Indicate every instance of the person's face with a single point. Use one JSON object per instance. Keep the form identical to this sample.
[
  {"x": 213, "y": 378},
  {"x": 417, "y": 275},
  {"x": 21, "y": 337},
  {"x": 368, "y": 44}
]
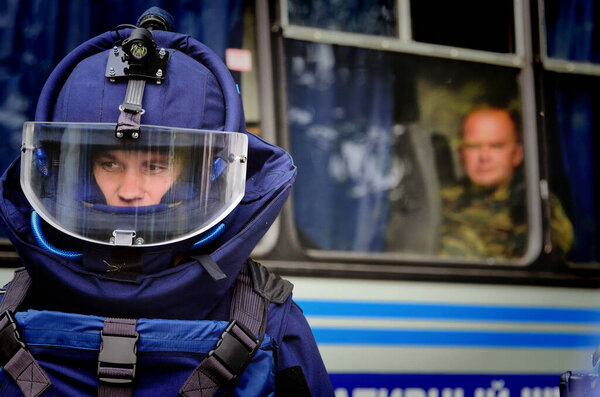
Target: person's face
[
  {"x": 135, "y": 178},
  {"x": 490, "y": 150}
]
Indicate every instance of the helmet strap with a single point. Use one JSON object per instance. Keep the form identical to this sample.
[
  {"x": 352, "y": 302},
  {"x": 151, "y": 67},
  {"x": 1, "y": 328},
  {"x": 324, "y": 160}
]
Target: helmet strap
[{"x": 131, "y": 109}]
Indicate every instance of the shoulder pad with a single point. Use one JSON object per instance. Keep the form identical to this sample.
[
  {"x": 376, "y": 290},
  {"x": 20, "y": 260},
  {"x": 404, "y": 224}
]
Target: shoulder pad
[{"x": 268, "y": 284}]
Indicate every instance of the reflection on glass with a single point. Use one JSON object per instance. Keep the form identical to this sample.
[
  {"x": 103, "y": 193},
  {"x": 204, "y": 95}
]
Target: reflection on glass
[
  {"x": 377, "y": 140},
  {"x": 376, "y": 17}
]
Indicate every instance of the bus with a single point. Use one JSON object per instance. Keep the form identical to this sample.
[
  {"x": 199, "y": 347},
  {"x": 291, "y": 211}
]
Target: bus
[{"x": 370, "y": 98}]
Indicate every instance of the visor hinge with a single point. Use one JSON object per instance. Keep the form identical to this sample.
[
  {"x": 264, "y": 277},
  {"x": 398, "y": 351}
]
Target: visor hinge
[{"x": 123, "y": 237}]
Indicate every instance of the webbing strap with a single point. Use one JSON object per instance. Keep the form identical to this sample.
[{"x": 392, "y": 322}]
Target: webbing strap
[
  {"x": 26, "y": 372},
  {"x": 224, "y": 365},
  {"x": 128, "y": 123},
  {"x": 131, "y": 109},
  {"x": 117, "y": 358},
  {"x": 17, "y": 361},
  {"x": 16, "y": 291},
  {"x": 247, "y": 306},
  {"x": 134, "y": 96},
  {"x": 203, "y": 382}
]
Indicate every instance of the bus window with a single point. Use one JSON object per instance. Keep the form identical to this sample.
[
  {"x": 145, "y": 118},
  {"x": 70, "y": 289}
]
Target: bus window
[
  {"x": 570, "y": 125},
  {"x": 572, "y": 30},
  {"x": 376, "y": 17},
  {"x": 478, "y": 25},
  {"x": 571, "y": 59},
  {"x": 377, "y": 139}
]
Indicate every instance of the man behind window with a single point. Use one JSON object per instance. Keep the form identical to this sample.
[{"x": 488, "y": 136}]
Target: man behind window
[{"x": 485, "y": 214}]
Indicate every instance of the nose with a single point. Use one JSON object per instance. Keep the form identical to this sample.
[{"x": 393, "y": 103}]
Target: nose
[
  {"x": 484, "y": 153},
  {"x": 131, "y": 187}
]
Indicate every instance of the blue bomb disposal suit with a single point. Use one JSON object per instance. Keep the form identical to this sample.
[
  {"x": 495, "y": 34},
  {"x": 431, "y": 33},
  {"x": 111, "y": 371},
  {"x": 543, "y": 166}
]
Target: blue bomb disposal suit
[{"x": 140, "y": 194}]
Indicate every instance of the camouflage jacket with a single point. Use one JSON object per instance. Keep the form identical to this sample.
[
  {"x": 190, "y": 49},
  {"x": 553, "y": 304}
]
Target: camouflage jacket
[{"x": 480, "y": 222}]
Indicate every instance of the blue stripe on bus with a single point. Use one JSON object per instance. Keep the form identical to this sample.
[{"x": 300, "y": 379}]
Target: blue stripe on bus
[
  {"x": 457, "y": 312},
  {"x": 455, "y": 338}
]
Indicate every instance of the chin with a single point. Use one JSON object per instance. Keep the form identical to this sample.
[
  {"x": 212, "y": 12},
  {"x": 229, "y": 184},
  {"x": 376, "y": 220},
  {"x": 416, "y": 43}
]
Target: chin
[{"x": 487, "y": 182}]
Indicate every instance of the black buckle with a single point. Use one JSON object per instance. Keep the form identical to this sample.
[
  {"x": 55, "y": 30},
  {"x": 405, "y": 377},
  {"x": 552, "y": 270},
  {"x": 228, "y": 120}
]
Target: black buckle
[
  {"x": 233, "y": 351},
  {"x": 118, "y": 353},
  {"x": 10, "y": 338}
]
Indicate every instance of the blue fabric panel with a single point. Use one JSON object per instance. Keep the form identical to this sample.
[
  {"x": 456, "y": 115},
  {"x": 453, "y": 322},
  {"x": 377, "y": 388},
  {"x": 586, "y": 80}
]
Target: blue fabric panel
[
  {"x": 66, "y": 346},
  {"x": 49, "y": 328},
  {"x": 298, "y": 348}
]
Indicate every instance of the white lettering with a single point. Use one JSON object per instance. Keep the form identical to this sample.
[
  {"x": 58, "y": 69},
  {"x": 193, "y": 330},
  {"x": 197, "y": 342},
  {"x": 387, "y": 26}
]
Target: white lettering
[
  {"x": 369, "y": 392},
  {"x": 447, "y": 392},
  {"x": 497, "y": 389},
  {"x": 341, "y": 392},
  {"x": 540, "y": 392},
  {"x": 414, "y": 392}
]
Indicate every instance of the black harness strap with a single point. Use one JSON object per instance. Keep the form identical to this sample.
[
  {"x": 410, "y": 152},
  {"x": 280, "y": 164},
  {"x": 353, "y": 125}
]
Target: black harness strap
[
  {"x": 16, "y": 360},
  {"x": 16, "y": 292},
  {"x": 247, "y": 306},
  {"x": 237, "y": 345}
]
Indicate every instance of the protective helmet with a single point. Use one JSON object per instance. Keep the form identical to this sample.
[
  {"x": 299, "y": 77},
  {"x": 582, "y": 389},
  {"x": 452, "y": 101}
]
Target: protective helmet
[{"x": 139, "y": 141}]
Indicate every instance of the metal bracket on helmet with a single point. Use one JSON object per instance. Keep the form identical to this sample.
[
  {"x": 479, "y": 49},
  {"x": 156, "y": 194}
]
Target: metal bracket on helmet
[
  {"x": 138, "y": 58},
  {"x": 137, "y": 61},
  {"x": 123, "y": 237}
]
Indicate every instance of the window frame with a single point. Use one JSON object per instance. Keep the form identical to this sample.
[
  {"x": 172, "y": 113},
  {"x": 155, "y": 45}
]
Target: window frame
[
  {"x": 552, "y": 64},
  {"x": 558, "y": 67},
  {"x": 522, "y": 59},
  {"x": 404, "y": 42}
]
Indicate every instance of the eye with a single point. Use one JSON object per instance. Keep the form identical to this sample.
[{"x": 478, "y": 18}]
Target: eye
[
  {"x": 155, "y": 168},
  {"x": 110, "y": 165},
  {"x": 470, "y": 146}
]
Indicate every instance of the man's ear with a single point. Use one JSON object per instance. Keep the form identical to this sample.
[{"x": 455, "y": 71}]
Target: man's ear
[{"x": 518, "y": 155}]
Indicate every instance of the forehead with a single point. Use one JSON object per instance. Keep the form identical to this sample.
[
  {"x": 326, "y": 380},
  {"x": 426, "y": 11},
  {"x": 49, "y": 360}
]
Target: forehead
[{"x": 489, "y": 124}]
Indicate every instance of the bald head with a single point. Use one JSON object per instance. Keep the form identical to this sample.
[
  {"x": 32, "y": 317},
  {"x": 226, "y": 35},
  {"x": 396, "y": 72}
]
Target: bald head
[{"x": 490, "y": 149}]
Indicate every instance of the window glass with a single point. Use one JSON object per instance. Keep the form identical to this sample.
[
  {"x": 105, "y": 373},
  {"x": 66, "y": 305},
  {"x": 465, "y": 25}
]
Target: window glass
[
  {"x": 572, "y": 140},
  {"x": 378, "y": 144},
  {"x": 475, "y": 24},
  {"x": 572, "y": 31},
  {"x": 376, "y": 17}
]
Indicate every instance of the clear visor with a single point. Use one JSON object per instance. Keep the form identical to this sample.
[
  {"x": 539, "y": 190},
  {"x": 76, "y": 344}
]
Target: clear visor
[{"x": 168, "y": 185}]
